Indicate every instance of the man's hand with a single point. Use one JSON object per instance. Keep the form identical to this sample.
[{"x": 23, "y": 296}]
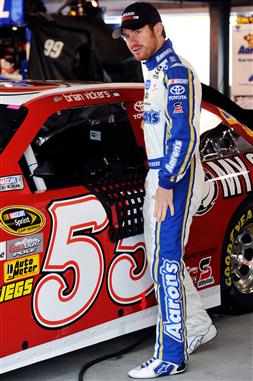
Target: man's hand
[{"x": 163, "y": 200}]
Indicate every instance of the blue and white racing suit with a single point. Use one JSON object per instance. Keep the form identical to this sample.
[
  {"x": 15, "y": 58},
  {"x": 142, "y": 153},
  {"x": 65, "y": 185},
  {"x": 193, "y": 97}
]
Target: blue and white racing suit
[{"x": 171, "y": 130}]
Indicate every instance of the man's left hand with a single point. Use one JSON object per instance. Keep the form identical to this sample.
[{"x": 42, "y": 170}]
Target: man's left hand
[{"x": 163, "y": 200}]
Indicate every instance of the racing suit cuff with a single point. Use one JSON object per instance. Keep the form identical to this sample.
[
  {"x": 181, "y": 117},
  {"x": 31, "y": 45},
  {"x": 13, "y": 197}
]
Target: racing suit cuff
[{"x": 164, "y": 181}]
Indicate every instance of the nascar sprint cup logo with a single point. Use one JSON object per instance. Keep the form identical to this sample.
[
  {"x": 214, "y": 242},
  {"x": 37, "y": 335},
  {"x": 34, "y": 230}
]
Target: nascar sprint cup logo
[
  {"x": 21, "y": 220},
  {"x": 210, "y": 194}
]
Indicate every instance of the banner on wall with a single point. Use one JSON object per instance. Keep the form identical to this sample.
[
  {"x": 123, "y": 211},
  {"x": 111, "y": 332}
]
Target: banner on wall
[
  {"x": 242, "y": 61},
  {"x": 78, "y": 48}
]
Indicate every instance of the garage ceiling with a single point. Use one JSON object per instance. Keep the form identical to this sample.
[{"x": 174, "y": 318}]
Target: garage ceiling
[
  {"x": 113, "y": 5},
  {"x": 116, "y": 6}
]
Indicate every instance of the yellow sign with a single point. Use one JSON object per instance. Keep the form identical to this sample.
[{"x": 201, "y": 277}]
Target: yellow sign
[
  {"x": 21, "y": 268},
  {"x": 16, "y": 290},
  {"x": 244, "y": 20}
]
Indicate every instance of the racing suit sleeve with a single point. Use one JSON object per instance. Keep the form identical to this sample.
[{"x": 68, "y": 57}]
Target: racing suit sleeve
[{"x": 180, "y": 137}]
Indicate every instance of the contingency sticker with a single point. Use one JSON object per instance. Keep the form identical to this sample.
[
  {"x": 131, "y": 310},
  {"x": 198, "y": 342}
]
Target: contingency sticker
[
  {"x": 2, "y": 251},
  {"x": 24, "y": 246},
  {"x": 9, "y": 183},
  {"x": 16, "y": 290},
  {"x": 21, "y": 220},
  {"x": 21, "y": 268}
]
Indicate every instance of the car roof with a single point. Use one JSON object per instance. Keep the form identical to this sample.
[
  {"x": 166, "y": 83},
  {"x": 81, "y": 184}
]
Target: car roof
[{"x": 20, "y": 92}]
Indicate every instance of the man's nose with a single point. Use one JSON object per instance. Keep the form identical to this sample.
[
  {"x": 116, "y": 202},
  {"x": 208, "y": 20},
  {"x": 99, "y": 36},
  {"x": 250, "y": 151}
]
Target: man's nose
[{"x": 132, "y": 39}]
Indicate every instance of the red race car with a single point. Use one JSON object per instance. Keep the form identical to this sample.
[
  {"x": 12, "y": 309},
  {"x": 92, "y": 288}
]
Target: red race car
[{"x": 72, "y": 258}]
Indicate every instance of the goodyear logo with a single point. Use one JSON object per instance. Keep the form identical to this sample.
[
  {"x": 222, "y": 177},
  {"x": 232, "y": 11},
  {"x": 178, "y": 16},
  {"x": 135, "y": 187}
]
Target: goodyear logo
[
  {"x": 21, "y": 220},
  {"x": 16, "y": 290},
  {"x": 21, "y": 268}
]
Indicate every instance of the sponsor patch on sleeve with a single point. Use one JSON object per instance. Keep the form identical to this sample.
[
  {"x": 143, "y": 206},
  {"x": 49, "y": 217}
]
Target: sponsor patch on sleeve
[
  {"x": 178, "y": 80},
  {"x": 178, "y": 109}
]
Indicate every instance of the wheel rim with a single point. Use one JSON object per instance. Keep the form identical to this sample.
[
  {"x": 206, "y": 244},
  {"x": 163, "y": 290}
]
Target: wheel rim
[{"x": 242, "y": 261}]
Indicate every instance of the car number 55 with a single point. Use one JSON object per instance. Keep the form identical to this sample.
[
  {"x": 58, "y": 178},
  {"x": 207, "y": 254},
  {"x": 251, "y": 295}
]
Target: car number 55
[{"x": 70, "y": 247}]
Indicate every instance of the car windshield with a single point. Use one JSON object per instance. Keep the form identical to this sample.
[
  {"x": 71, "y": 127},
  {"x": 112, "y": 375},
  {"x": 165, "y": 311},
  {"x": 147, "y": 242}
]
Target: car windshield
[{"x": 11, "y": 117}]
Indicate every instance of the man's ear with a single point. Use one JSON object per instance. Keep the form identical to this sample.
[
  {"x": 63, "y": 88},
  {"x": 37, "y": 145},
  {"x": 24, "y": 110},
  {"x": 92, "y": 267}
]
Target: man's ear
[{"x": 159, "y": 28}]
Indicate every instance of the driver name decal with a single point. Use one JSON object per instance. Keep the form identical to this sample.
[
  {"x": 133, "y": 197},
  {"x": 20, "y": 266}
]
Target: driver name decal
[{"x": 90, "y": 95}]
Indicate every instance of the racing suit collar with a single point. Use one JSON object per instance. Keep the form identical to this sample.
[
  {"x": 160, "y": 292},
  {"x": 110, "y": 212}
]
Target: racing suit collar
[{"x": 159, "y": 55}]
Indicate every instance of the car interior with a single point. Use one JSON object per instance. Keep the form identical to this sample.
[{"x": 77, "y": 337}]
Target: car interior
[
  {"x": 94, "y": 146},
  {"x": 81, "y": 145}
]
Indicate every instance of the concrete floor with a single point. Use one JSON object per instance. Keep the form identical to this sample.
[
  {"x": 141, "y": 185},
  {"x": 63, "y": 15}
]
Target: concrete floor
[{"x": 227, "y": 358}]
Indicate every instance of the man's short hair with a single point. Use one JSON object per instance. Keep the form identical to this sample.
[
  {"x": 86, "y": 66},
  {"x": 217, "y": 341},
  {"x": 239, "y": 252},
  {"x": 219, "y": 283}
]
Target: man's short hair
[{"x": 151, "y": 26}]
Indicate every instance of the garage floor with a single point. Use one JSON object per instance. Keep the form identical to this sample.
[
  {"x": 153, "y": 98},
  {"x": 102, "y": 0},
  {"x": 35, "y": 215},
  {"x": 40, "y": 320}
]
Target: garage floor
[{"x": 227, "y": 358}]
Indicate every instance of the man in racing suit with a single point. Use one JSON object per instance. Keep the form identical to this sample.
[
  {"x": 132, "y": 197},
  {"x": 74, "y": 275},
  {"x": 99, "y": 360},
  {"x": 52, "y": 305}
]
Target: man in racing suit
[{"x": 174, "y": 185}]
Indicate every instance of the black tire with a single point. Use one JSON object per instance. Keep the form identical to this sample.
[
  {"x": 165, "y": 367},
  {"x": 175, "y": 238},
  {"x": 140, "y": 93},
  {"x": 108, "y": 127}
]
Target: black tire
[{"x": 237, "y": 262}]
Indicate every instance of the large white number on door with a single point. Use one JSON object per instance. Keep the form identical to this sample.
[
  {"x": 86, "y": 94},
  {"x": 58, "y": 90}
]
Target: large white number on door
[
  {"x": 70, "y": 249},
  {"x": 124, "y": 284}
]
